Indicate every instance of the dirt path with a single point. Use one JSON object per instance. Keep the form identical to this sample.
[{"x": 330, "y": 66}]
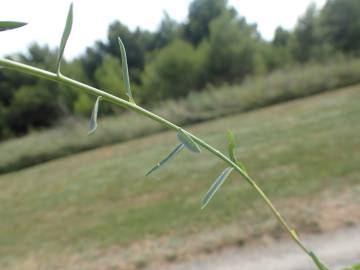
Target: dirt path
[{"x": 338, "y": 249}]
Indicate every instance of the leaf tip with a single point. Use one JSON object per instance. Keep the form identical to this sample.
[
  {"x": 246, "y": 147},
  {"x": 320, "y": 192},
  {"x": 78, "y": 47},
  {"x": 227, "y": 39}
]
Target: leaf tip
[
  {"x": 10, "y": 25},
  {"x": 215, "y": 186},
  {"x": 152, "y": 169},
  {"x": 125, "y": 70},
  {"x": 94, "y": 115},
  {"x": 65, "y": 36}
]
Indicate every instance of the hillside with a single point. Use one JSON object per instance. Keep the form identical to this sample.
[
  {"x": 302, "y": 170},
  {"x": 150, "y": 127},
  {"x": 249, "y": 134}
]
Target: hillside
[
  {"x": 280, "y": 86},
  {"x": 97, "y": 210}
]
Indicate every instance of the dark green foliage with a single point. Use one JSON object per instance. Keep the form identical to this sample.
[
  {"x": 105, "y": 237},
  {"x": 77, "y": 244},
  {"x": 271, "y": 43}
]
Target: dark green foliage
[
  {"x": 233, "y": 49},
  {"x": 173, "y": 72},
  {"x": 30, "y": 102},
  {"x": 168, "y": 31},
  {"x": 137, "y": 42},
  {"x": 4, "y": 132},
  {"x": 281, "y": 37},
  {"x": 341, "y": 24},
  {"x": 92, "y": 60},
  {"x": 306, "y": 37},
  {"x": 32, "y": 107},
  {"x": 108, "y": 76},
  {"x": 201, "y": 14}
]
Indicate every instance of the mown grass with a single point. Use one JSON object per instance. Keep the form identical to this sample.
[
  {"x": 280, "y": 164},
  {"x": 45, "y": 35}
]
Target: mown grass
[
  {"x": 96, "y": 210},
  {"x": 280, "y": 86}
]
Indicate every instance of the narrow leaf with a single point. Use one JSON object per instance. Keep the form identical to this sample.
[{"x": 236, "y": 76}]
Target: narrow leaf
[
  {"x": 231, "y": 149},
  {"x": 231, "y": 146},
  {"x": 93, "y": 118},
  {"x": 317, "y": 261},
  {"x": 215, "y": 186},
  {"x": 172, "y": 154},
  {"x": 188, "y": 141},
  {"x": 65, "y": 37},
  {"x": 6, "y": 25},
  {"x": 125, "y": 70}
]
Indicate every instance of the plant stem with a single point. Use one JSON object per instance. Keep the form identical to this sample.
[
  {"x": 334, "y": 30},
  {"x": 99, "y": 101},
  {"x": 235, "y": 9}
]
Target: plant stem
[{"x": 132, "y": 106}]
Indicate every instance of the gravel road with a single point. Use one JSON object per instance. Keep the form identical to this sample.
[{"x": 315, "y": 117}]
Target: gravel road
[{"x": 338, "y": 249}]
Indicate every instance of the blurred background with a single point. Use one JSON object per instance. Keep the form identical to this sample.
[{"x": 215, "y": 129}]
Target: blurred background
[{"x": 283, "y": 76}]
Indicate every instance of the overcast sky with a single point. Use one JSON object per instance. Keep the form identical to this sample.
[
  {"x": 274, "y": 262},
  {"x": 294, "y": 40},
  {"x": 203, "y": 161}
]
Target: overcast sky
[{"x": 46, "y": 18}]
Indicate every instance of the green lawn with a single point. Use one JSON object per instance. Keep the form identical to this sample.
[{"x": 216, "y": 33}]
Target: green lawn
[{"x": 87, "y": 206}]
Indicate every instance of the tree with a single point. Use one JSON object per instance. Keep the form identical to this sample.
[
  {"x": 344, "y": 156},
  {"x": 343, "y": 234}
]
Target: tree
[
  {"x": 66, "y": 96},
  {"x": 279, "y": 54},
  {"x": 281, "y": 37},
  {"x": 234, "y": 49},
  {"x": 40, "y": 56},
  {"x": 340, "y": 20},
  {"x": 33, "y": 107},
  {"x": 136, "y": 43},
  {"x": 173, "y": 72},
  {"x": 307, "y": 41},
  {"x": 201, "y": 13},
  {"x": 92, "y": 59},
  {"x": 168, "y": 31},
  {"x": 4, "y": 130}
]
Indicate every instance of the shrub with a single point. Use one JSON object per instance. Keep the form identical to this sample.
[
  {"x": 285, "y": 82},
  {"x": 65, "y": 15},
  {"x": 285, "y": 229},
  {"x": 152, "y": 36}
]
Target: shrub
[{"x": 174, "y": 72}]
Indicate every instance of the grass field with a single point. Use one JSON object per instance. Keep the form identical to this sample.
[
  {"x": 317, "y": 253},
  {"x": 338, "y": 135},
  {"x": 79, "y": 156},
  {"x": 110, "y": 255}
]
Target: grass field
[{"x": 97, "y": 210}]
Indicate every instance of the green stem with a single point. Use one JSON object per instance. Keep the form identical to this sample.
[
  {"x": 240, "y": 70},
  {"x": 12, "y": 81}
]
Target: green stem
[{"x": 132, "y": 106}]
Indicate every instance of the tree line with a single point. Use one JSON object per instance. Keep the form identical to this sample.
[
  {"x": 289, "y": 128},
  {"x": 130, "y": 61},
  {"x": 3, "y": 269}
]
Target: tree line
[{"x": 215, "y": 45}]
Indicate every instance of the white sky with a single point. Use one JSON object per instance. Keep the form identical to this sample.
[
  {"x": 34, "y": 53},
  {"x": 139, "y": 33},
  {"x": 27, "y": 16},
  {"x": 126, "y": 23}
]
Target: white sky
[{"x": 46, "y": 18}]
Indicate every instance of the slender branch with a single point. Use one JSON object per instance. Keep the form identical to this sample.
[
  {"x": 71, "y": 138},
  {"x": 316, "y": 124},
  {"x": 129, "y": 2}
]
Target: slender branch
[{"x": 132, "y": 106}]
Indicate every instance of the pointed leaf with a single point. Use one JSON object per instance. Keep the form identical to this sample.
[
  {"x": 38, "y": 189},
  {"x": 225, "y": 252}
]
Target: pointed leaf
[
  {"x": 215, "y": 186},
  {"x": 317, "y": 261},
  {"x": 93, "y": 118},
  {"x": 188, "y": 141},
  {"x": 6, "y": 25},
  {"x": 231, "y": 149},
  {"x": 125, "y": 70},
  {"x": 231, "y": 146},
  {"x": 65, "y": 37},
  {"x": 172, "y": 154}
]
